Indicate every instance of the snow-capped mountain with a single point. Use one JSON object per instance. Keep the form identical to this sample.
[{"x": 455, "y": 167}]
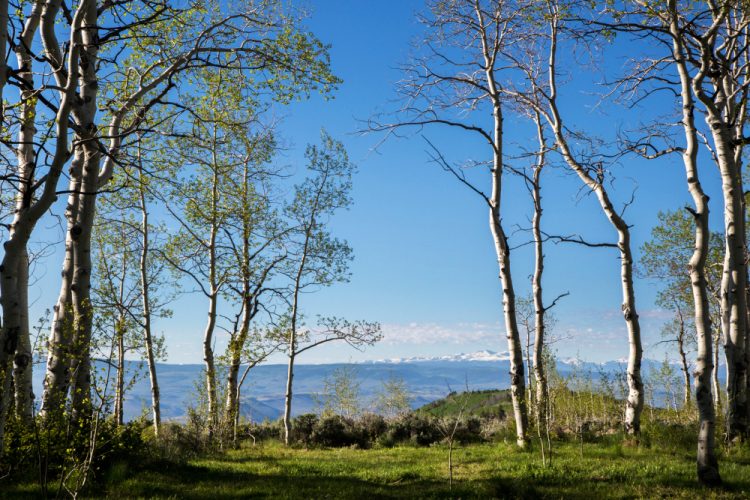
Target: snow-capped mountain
[
  {"x": 474, "y": 356},
  {"x": 426, "y": 379}
]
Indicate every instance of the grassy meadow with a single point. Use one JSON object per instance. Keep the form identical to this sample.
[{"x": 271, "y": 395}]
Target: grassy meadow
[
  {"x": 496, "y": 470},
  {"x": 404, "y": 457}
]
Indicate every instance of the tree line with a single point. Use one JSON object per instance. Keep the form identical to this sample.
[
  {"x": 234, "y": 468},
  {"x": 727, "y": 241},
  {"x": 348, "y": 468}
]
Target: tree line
[
  {"x": 158, "y": 115},
  {"x": 483, "y": 64}
]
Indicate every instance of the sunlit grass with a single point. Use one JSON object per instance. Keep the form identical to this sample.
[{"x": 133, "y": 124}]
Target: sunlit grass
[
  {"x": 500, "y": 470},
  {"x": 486, "y": 470}
]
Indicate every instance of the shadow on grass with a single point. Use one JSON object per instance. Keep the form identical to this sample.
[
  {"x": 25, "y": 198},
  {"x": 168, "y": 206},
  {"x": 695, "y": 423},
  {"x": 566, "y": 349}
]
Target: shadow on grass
[
  {"x": 275, "y": 474},
  {"x": 191, "y": 481},
  {"x": 173, "y": 480}
]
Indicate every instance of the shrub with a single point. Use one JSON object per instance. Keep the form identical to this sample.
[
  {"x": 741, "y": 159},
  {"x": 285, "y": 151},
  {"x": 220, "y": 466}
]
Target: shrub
[
  {"x": 333, "y": 431},
  {"x": 176, "y": 442},
  {"x": 303, "y": 427},
  {"x": 497, "y": 429},
  {"x": 413, "y": 428},
  {"x": 43, "y": 452},
  {"x": 469, "y": 430},
  {"x": 668, "y": 436},
  {"x": 268, "y": 429},
  {"x": 370, "y": 427}
]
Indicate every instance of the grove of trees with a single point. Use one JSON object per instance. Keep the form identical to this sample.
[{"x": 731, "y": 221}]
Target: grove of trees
[{"x": 485, "y": 63}]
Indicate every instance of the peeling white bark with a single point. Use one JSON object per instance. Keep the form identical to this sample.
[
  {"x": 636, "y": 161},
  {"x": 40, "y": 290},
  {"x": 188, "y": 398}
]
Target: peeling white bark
[
  {"x": 707, "y": 464},
  {"x": 635, "y": 398},
  {"x": 146, "y": 302}
]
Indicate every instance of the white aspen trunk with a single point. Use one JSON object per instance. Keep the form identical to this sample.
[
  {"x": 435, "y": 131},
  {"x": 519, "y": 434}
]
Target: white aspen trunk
[
  {"x": 232, "y": 405},
  {"x": 7, "y": 341},
  {"x": 11, "y": 325},
  {"x": 294, "y": 317},
  {"x": 23, "y": 358},
  {"x": 734, "y": 279},
  {"x": 208, "y": 335},
  {"x": 634, "y": 403},
  {"x": 725, "y": 116},
  {"x": 706, "y": 462},
  {"x": 85, "y": 114},
  {"x": 146, "y": 302},
  {"x": 238, "y": 398},
  {"x": 634, "y": 406},
  {"x": 716, "y": 386},
  {"x": 81, "y": 288},
  {"x": 517, "y": 382},
  {"x": 25, "y": 220},
  {"x": 57, "y": 377},
  {"x": 685, "y": 377},
  {"x": 120, "y": 331},
  {"x": 502, "y": 251},
  {"x": 536, "y": 283},
  {"x": 293, "y": 345},
  {"x": 208, "y": 358},
  {"x": 237, "y": 343},
  {"x": 683, "y": 357},
  {"x": 529, "y": 369},
  {"x": 288, "y": 396},
  {"x": 120, "y": 381}
]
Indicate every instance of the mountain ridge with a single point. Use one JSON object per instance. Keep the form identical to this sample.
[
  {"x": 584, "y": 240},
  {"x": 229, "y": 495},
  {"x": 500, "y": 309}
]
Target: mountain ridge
[{"x": 426, "y": 379}]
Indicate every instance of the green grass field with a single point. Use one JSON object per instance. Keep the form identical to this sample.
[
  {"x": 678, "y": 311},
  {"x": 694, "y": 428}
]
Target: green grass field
[
  {"x": 590, "y": 464},
  {"x": 480, "y": 471}
]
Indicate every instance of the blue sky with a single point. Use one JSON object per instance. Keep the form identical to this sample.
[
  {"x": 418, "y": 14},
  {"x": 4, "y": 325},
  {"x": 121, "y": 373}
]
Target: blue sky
[{"x": 424, "y": 263}]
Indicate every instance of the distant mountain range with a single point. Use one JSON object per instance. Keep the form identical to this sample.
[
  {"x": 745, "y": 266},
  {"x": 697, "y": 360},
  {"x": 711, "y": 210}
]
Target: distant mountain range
[
  {"x": 427, "y": 379},
  {"x": 474, "y": 356}
]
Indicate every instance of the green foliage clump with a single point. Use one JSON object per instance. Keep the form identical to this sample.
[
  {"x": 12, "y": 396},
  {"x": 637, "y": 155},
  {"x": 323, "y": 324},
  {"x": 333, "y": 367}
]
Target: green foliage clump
[
  {"x": 176, "y": 442},
  {"x": 69, "y": 455},
  {"x": 303, "y": 427},
  {"x": 263, "y": 431},
  {"x": 413, "y": 428},
  {"x": 467, "y": 430},
  {"x": 335, "y": 431},
  {"x": 371, "y": 426}
]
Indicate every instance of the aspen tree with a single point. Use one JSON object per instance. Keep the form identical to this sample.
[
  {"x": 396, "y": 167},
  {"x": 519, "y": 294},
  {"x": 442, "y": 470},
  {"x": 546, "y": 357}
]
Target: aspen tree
[
  {"x": 539, "y": 91},
  {"x": 318, "y": 259},
  {"x": 455, "y": 81},
  {"x": 255, "y": 38}
]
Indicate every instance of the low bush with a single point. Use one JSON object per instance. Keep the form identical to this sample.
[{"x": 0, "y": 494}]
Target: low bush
[
  {"x": 303, "y": 427},
  {"x": 667, "y": 436},
  {"x": 371, "y": 426},
  {"x": 468, "y": 430},
  {"x": 337, "y": 431},
  {"x": 497, "y": 430},
  {"x": 412, "y": 428},
  {"x": 43, "y": 452},
  {"x": 176, "y": 442},
  {"x": 268, "y": 429}
]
